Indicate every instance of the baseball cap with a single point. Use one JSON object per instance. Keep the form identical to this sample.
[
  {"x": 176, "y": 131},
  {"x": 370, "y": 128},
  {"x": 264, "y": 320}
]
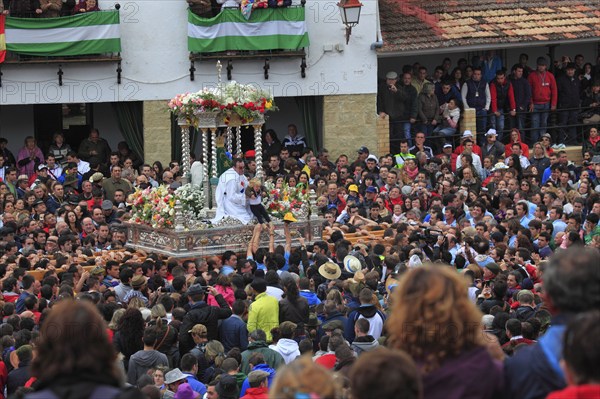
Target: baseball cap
[
  {"x": 353, "y": 187},
  {"x": 547, "y": 135},
  {"x": 447, "y": 145},
  {"x": 491, "y": 132},
  {"x": 106, "y": 205},
  {"x": 372, "y": 189},
  {"x": 195, "y": 290},
  {"x": 391, "y": 75},
  {"x": 467, "y": 133},
  {"x": 42, "y": 166},
  {"x": 362, "y": 150}
]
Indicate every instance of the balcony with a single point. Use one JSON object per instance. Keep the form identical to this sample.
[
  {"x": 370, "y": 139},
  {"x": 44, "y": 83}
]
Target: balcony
[
  {"x": 92, "y": 37},
  {"x": 267, "y": 34}
]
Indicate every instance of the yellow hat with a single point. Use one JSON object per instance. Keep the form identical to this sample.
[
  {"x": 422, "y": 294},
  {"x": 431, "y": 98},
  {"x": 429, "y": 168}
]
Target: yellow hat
[
  {"x": 289, "y": 217},
  {"x": 353, "y": 187}
]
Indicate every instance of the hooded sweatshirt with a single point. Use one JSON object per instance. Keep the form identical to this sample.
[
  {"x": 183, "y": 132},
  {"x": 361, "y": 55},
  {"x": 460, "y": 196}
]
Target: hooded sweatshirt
[
  {"x": 261, "y": 367},
  {"x": 364, "y": 344},
  {"x": 141, "y": 361},
  {"x": 370, "y": 312},
  {"x": 287, "y": 348}
]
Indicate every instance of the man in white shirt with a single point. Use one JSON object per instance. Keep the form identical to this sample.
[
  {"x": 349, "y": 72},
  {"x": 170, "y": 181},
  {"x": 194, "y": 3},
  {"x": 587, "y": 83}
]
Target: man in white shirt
[{"x": 82, "y": 166}]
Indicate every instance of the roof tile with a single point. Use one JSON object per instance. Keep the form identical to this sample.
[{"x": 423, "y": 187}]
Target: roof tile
[{"x": 427, "y": 24}]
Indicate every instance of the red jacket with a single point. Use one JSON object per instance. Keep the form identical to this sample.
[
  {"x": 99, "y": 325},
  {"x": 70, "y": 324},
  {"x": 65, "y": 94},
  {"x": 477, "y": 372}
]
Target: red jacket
[
  {"x": 256, "y": 393},
  {"x": 524, "y": 147},
  {"x": 476, "y": 149},
  {"x": 577, "y": 392},
  {"x": 543, "y": 88},
  {"x": 3, "y": 378}
]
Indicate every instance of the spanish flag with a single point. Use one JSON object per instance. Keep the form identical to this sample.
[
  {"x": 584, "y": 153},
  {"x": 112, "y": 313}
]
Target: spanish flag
[{"x": 2, "y": 41}]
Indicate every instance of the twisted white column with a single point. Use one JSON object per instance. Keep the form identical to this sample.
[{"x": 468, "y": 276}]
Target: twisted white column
[
  {"x": 238, "y": 141},
  {"x": 185, "y": 149},
  {"x": 213, "y": 160},
  {"x": 229, "y": 140},
  {"x": 258, "y": 150},
  {"x": 206, "y": 183}
]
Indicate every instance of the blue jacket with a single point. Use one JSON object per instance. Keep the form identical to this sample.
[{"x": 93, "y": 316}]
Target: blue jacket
[
  {"x": 261, "y": 367},
  {"x": 534, "y": 371},
  {"x": 233, "y": 333},
  {"x": 196, "y": 385},
  {"x": 311, "y": 297}
]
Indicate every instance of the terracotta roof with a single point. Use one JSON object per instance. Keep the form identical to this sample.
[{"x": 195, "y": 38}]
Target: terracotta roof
[{"x": 409, "y": 25}]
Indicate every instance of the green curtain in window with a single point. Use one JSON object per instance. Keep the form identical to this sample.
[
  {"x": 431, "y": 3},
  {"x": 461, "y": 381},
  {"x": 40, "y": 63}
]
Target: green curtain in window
[
  {"x": 176, "y": 139},
  {"x": 308, "y": 106},
  {"x": 131, "y": 123}
]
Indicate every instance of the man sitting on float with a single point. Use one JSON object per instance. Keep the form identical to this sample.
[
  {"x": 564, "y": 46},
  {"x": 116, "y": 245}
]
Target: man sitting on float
[{"x": 231, "y": 194}]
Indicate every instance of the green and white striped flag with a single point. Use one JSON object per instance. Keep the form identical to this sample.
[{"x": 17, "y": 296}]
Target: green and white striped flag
[
  {"x": 267, "y": 29},
  {"x": 89, "y": 33}
]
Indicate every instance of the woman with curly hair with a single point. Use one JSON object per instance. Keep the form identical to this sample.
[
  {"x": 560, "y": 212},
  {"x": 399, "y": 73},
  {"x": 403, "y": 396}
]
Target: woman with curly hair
[
  {"x": 75, "y": 358},
  {"x": 304, "y": 379},
  {"x": 434, "y": 321}
]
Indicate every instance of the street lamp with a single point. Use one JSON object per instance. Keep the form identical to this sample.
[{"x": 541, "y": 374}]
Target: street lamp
[{"x": 350, "y": 12}]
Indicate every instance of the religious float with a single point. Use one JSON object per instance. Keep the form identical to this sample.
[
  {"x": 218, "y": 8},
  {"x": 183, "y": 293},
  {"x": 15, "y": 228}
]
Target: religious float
[{"x": 182, "y": 223}]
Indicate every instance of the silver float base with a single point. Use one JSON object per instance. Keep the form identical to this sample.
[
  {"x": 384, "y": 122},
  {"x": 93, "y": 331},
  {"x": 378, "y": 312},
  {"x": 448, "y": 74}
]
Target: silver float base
[{"x": 216, "y": 240}]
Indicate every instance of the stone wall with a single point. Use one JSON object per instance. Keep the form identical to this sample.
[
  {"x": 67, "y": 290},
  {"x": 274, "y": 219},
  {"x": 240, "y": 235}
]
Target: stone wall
[
  {"x": 349, "y": 122},
  {"x": 157, "y": 132},
  {"x": 468, "y": 122}
]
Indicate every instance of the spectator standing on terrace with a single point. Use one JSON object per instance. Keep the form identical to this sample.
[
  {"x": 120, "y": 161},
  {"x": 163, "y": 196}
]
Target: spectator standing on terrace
[
  {"x": 544, "y": 97},
  {"x": 503, "y": 102},
  {"x": 476, "y": 94},
  {"x": 522, "y": 93},
  {"x": 391, "y": 102},
  {"x": 569, "y": 100}
]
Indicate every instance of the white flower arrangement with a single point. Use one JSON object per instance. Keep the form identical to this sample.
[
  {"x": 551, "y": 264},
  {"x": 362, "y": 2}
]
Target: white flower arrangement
[{"x": 192, "y": 200}]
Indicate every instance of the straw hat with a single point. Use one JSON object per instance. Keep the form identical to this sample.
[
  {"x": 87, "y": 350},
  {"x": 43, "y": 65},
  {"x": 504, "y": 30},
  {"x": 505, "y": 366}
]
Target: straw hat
[{"x": 330, "y": 271}]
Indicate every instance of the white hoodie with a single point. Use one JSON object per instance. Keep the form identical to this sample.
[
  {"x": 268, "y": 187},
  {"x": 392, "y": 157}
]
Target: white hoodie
[{"x": 287, "y": 348}]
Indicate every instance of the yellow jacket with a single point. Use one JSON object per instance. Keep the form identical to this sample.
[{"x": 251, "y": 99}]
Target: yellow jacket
[{"x": 263, "y": 314}]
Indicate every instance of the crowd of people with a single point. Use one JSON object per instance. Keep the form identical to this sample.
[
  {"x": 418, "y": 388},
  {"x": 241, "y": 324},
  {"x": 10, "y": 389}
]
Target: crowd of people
[
  {"x": 465, "y": 271},
  {"x": 46, "y": 8},
  {"x": 520, "y": 98}
]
